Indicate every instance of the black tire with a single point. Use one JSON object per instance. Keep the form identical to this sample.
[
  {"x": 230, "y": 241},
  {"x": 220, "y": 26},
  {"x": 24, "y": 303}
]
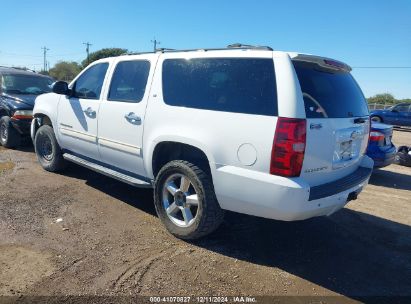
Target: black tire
[
  {"x": 403, "y": 158},
  {"x": 9, "y": 137},
  {"x": 376, "y": 119},
  {"x": 48, "y": 150},
  {"x": 209, "y": 215}
]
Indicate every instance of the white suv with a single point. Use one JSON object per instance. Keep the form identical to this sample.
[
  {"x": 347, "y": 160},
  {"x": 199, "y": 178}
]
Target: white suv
[{"x": 273, "y": 134}]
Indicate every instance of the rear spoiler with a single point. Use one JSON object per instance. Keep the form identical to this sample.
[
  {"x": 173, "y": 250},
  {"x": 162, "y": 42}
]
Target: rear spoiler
[{"x": 324, "y": 62}]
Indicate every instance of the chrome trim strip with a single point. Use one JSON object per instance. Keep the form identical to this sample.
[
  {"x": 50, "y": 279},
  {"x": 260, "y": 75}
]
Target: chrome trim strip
[
  {"x": 119, "y": 146},
  {"x": 78, "y": 134}
]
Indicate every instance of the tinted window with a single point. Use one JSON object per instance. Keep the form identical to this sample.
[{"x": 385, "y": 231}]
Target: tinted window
[
  {"x": 129, "y": 81},
  {"x": 89, "y": 84},
  {"x": 401, "y": 108},
  {"x": 329, "y": 93},
  {"x": 221, "y": 84},
  {"x": 25, "y": 84}
]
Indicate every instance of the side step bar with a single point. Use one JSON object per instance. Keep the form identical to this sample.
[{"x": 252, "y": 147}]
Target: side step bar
[{"x": 106, "y": 171}]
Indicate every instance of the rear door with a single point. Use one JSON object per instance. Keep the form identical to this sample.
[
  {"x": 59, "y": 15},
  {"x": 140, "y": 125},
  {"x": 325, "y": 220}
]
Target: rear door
[
  {"x": 122, "y": 114},
  {"x": 337, "y": 120}
]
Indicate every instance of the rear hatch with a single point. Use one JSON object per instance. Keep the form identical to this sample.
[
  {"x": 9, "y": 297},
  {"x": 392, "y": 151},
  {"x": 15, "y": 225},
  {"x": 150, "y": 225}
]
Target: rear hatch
[{"x": 337, "y": 119}]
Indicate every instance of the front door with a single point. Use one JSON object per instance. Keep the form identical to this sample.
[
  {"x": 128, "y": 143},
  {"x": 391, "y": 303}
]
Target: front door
[
  {"x": 78, "y": 113},
  {"x": 121, "y": 116}
]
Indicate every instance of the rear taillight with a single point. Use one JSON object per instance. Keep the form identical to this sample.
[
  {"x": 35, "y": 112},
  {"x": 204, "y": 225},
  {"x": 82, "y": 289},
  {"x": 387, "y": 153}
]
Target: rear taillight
[
  {"x": 376, "y": 136},
  {"x": 287, "y": 155}
]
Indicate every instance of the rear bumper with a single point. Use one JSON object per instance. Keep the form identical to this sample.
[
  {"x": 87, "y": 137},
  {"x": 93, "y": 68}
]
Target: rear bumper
[
  {"x": 288, "y": 199},
  {"x": 382, "y": 158}
]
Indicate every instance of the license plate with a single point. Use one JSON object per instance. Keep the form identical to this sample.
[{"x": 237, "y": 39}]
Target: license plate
[
  {"x": 346, "y": 150},
  {"x": 388, "y": 141}
]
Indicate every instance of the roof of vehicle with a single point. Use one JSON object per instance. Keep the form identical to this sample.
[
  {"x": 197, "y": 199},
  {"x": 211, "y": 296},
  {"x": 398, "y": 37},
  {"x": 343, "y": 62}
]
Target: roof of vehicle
[
  {"x": 323, "y": 61},
  {"x": 17, "y": 71}
]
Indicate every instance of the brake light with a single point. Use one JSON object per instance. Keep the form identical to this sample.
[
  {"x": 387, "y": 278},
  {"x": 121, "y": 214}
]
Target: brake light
[
  {"x": 287, "y": 154},
  {"x": 376, "y": 136}
]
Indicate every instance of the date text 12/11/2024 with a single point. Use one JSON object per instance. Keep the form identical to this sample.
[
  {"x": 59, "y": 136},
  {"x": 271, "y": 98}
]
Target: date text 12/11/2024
[{"x": 210, "y": 299}]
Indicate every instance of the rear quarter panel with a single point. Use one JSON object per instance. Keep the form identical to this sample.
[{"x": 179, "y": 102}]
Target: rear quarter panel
[{"x": 218, "y": 134}]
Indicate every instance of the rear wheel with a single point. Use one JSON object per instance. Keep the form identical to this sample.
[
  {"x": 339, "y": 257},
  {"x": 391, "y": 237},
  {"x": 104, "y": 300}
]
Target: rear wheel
[
  {"x": 48, "y": 150},
  {"x": 9, "y": 137},
  {"x": 376, "y": 119},
  {"x": 185, "y": 200}
]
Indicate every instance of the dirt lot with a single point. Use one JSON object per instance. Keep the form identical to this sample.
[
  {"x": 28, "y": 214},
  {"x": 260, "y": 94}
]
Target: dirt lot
[{"x": 110, "y": 241}]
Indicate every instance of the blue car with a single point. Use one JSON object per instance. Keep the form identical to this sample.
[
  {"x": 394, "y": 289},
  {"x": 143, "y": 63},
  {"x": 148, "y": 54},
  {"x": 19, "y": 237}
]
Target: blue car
[
  {"x": 398, "y": 115},
  {"x": 380, "y": 147}
]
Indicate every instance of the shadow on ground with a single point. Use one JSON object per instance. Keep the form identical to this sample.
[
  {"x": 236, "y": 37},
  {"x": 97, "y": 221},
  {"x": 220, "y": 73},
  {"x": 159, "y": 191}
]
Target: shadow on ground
[
  {"x": 139, "y": 198},
  {"x": 390, "y": 179},
  {"x": 350, "y": 253},
  {"x": 403, "y": 129}
]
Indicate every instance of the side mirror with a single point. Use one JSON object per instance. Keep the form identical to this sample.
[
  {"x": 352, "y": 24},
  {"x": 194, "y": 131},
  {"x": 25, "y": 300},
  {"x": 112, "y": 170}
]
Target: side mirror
[
  {"x": 61, "y": 87},
  {"x": 394, "y": 110}
]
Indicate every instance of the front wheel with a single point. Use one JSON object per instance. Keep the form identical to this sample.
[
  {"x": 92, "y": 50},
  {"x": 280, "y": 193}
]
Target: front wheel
[
  {"x": 48, "y": 150},
  {"x": 185, "y": 200},
  {"x": 9, "y": 137}
]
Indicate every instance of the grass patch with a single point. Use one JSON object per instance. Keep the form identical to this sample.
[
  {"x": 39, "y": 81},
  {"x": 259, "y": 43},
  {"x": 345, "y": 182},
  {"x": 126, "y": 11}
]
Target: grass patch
[{"x": 6, "y": 166}]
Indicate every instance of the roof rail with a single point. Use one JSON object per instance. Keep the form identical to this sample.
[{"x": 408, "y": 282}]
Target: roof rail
[
  {"x": 165, "y": 50},
  {"x": 234, "y": 46},
  {"x": 248, "y": 46}
]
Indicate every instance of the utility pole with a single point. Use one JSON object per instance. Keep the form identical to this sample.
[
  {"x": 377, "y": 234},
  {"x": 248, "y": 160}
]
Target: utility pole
[
  {"x": 155, "y": 42},
  {"x": 45, "y": 49},
  {"x": 87, "y": 44}
]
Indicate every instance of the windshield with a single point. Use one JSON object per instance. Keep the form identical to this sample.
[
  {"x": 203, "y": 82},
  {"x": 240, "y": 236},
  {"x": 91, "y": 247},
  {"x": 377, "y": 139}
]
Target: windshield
[
  {"x": 329, "y": 93},
  {"x": 25, "y": 84}
]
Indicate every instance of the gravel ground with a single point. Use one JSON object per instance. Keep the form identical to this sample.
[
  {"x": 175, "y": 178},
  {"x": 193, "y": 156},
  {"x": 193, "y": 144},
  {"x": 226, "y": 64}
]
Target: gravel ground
[{"x": 110, "y": 242}]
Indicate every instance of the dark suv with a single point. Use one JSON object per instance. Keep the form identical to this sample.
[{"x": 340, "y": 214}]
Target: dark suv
[{"x": 18, "y": 90}]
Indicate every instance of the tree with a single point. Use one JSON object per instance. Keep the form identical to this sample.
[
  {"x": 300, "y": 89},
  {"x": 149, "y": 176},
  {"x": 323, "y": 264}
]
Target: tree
[
  {"x": 65, "y": 70},
  {"x": 103, "y": 53},
  {"x": 382, "y": 98},
  {"x": 42, "y": 72}
]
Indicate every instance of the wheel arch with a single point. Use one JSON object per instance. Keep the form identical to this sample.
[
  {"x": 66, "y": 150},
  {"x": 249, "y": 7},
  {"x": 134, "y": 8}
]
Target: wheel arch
[
  {"x": 39, "y": 119},
  {"x": 166, "y": 150},
  {"x": 3, "y": 112}
]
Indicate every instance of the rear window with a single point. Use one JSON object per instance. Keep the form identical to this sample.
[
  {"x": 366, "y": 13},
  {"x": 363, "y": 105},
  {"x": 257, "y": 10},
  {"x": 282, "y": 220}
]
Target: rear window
[
  {"x": 239, "y": 85},
  {"x": 328, "y": 93}
]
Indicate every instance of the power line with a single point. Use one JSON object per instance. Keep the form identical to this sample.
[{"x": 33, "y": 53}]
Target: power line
[
  {"x": 382, "y": 67},
  {"x": 35, "y": 56}
]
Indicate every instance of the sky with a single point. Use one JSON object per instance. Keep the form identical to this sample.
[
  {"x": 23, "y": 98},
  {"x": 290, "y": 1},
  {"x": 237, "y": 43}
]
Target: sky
[{"x": 362, "y": 33}]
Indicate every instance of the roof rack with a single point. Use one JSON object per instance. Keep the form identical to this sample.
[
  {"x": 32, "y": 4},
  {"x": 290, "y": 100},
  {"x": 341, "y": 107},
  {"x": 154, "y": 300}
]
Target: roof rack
[
  {"x": 165, "y": 50},
  {"x": 234, "y": 46},
  {"x": 248, "y": 46}
]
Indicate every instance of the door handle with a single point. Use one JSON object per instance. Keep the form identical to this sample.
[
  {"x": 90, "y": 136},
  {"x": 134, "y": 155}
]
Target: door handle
[
  {"x": 133, "y": 118},
  {"x": 90, "y": 112}
]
